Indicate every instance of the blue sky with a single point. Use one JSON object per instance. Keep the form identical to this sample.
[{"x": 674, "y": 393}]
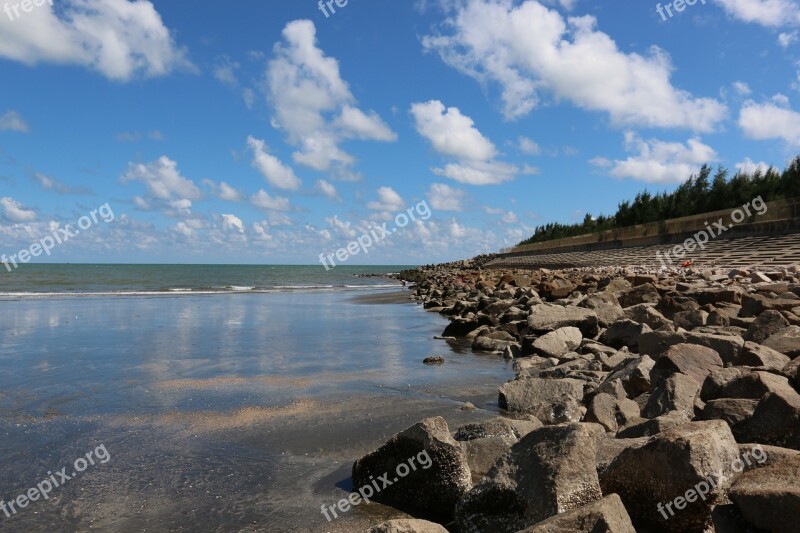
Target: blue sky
[{"x": 266, "y": 132}]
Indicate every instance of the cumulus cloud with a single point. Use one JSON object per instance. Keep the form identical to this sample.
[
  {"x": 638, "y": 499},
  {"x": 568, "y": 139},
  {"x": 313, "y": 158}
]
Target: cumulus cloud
[
  {"x": 162, "y": 179},
  {"x": 445, "y": 198},
  {"x": 787, "y": 39},
  {"x": 388, "y": 200},
  {"x": 313, "y": 105},
  {"x": 120, "y": 39},
  {"x": 530, "y": 51},
  {"x": 453, "y": 134},
  {"x": 274, "y": 171},
  {"x": 223, "y": 191},
  {"x": 528, "y": 146},
  {"x": 327, "y": 189},
  {"x": 657, "y": 161},
  {"x": 769, "y": 13},
  {"x": 13, "y": 121},
  {"x": 770, "y": 120},
  {"x": 232, "y": 223},
  {"x": 13, "y": 211},
  {"x": 749, "y": 167},
  {"x": 263, "y": 200}
]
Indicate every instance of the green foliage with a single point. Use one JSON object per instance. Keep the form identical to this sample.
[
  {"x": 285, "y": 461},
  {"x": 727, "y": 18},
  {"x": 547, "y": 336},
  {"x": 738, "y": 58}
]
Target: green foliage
[{"x": 699, "y": 194}]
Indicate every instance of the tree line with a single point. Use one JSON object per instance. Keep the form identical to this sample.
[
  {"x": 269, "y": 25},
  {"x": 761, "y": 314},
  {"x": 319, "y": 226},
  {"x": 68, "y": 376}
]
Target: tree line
[{"x": 699, "y": 194}]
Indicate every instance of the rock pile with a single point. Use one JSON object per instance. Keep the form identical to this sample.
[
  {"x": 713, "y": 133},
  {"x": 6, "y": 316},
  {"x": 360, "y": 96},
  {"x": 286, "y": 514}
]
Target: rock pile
[{"x": 644, "y": 401}]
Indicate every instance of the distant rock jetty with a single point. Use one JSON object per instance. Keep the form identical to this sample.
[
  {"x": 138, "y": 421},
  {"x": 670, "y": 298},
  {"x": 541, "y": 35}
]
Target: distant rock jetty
[{"x": 644, "y": 400}]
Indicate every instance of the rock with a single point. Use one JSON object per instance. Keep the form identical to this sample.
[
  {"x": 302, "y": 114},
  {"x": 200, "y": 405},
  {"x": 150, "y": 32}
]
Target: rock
[
  {"x": 646, "y": 293},
  {"x": 607, "y": 515},
  {"x": 552, "y": 401},
  {"x": 433, "y": 491},
  {"x": 669, "y": 306},
  {"x": 757, "y": 355},
  {"x": 727, "y": 346},
  {"x": 693, "y": 360},
  {"x": 763, "y": 455},
  {"x": 612, "y": 413},
  {"x": 758, "y": 277},
  {"x": 460, "y": 328},
  {"x": 754, "y": 385},
  {"x": 731, "y": 410},
  {"x": 634, "y": 376},
  {"x": 792, "y": 371},
  {"x": 407, "y": 526},
  {"x": 468, "y": 406},
  {"x": 690, "y": 319},
  {"x": 648, "y": 428},
  {"x": 549, "y": 317},
  {"x": 609, "y": 448},
  {"x": 497, "y": 427},
  {"x": 624, "y": 333},
  {"x": 647, "y": 314},
  {"x": 650, "y": 478},
  {"x": 558, "y": 342},
  {"x": 677, "y": 393},
  {"x": 767, "y": 324},
  {"x": 437, "y": 360},
  {"x": 549, "y": 471},
  {"x": 488, "y": 344},
  {"x": 776, "y": 421},
  {"x": 483, "y": 453},
  {"x": 769, "y": 497},
  {"x": 717, "y": 379},
  {"x": 786, "y": 341},
  {"x": 606, "y": 306}
]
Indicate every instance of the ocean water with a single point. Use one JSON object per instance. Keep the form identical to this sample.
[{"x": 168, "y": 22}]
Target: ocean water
[
  {"x": 63, "y": 279},
  {"x": 222, "y": 407}
]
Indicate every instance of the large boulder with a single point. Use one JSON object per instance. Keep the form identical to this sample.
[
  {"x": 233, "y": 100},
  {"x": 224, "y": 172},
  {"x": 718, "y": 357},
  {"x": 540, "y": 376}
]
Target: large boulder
[
  {"x": 696, "y": 456},
  {"x": 612, "y": 413},
  {"x": 754, "y": 385},
  {"x": 757, "y": 355},
  {"x": 408, "y": 526},
  {"x": 432, "y": 491},
  {"x": 624, "y": 333},
  {"x": 693, "y": 360},
  {"x": 727, "y": 346},
  {"x": 769, "y": 497},
  {"x": 677, "y": 393},
  {"x": 734, "y": 411},
  {"x": 552, "y": 401},
  {"x": 607, "y": 515},
  {"x": 767, "y": 324},
  {"x": 647, "y": 314},
  {"x": 647, "y": 293},
  {"x": 606, "y": 306},
  {"x": 785, "y": 341},
  {"x": 776, "y": 421},
  {"x": 550, "y": 317},
  {"x": 558, "y": 342},
  {"x": 549, "y": 471},
  {"x": 485, "y": 442},
  {"x": 634, "y": 376}
]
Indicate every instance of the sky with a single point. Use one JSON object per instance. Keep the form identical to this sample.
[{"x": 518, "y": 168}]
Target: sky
[{"x": 274, "y": 132}]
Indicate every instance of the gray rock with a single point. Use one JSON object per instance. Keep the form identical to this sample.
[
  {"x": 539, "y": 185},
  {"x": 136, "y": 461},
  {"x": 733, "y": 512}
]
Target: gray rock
[
  {"x": 649, "y": 478},
  {"x": 767, "y": 324},
  {"x": 786, "y": 341},
  {"x": 497, "y": 427},
  {"x": 717, "y": 379},
  {"x": 769, "y": 497},
  {"x": 552, "y": 401},
  {"x": 676, "y": 393},
  {"x": 757, "y": 355},
  {"x": 734, "y": 411},
  {"x": 776, "y": 421},
  {"x": 690, "y": 319},
  {"x": 754, "y": 385},
  {"x": 647, "y": 314},
  {"x": 433, "y": 491},
  {"x": 635, "y": 375},
  {"x": 646, "y": 293},
  {"x": 549, "y": 471},
  {"x": 792, "y": 371},
  {"x": 549, "y": 317},
  {"x": 624, "y": 333},
  {"x": 407, "y": 526},
  {"x": 693, "y": 360},
  {"x": 606, "y": 306},
  {"x": 612, "y": 413},
  {"x": 648, "y": 428},
  {"x": 607, "y": 515},
  {"x": 558, "y": 342}
]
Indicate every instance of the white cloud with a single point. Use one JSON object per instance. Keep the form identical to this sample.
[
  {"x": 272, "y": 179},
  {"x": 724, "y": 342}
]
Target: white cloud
[
  {"x": 388, "y": 200},
  {"x": 232, "y": 223},
  {"x": 313, "y": 104},
  {"x": 749, "y": 167},
  {"x": 13, "y": 121},
  {"x": 225, "y": 71},
  {"x": 118, "y": 38},
  {"x": 181, "y": 207},
  {"x": 658, "y": 161},
  {"x": 223, "y": 191},
  {"x": 162, "y": 179},
  {"x": 52, "y": 184},
  {"x": 450, "y": 132},
  {"x": 478, "y": 172},
  {"x": 529, "y": 50},
  {"x": 342, "y": 228},
  {"x": 263, "y": 200},
  {"x": 770, "y": 121},
  {"x": 276, "y": 173},
  {"x": 770, "y": 13},
  {"x": 13, "y": 211},
  {"x": 741, "y": 88},
  {"x": 445, "y": 198},
  {"x": 787, "y": 39},
  {"x": 528, "y": 146},
  {"x": 327, "y": 189}
]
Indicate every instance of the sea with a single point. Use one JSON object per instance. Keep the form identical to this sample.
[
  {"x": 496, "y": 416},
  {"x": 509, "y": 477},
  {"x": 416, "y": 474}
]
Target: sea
[{"x": 222, "y": 398}]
